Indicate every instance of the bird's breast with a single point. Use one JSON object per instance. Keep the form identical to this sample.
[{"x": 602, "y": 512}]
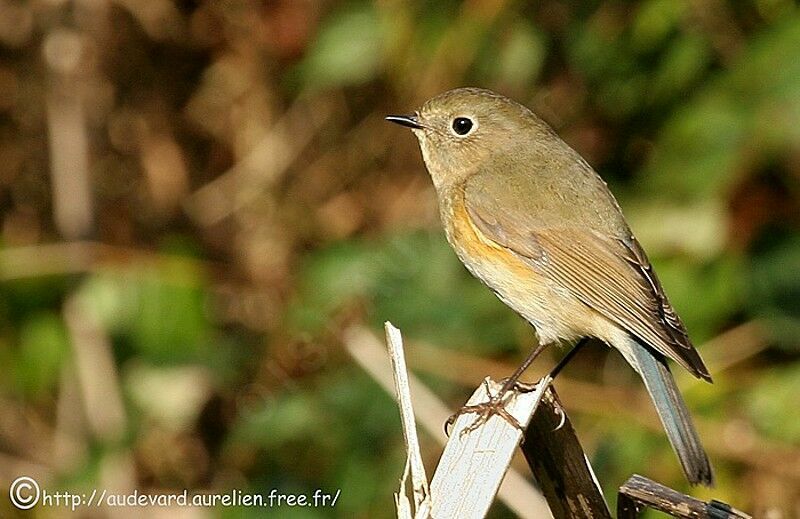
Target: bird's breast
[{"x": 517, "y": 283}]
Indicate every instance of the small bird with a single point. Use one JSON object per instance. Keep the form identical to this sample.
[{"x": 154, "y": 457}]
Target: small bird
[{"x": 530, "y": 218}]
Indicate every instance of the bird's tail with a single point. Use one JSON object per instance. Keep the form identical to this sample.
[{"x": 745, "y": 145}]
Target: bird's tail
[{"x": 674, "y": 415}]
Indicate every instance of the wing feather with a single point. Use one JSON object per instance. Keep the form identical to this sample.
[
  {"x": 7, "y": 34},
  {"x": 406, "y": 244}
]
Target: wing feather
[{"x": 610, "y": 274}]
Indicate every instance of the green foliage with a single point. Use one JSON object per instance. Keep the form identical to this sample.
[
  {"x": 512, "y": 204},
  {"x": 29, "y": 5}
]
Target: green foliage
[
  {"x": 774, "y": 289},
  {"x": 655, "y": 22},
  {"x": 41, "y": 352},
  {"x": 348, "y": 49},
  {"x": 681, "y": 65},
  {"x": 517, "y": 57},
  {"x": 416, "y": 281},
  {"x": 752, "y": 106},
  {"x": 310, "y": 433},
  {"x": 160, "y": 310},
  {"x": 690, "y": 113},
  {"x": 766, "y": 404},
  {"x": 705, "y": 296}
]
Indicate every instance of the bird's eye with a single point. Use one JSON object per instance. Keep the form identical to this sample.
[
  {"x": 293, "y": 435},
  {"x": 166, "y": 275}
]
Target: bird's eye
[{"x": 462, "y": 125}]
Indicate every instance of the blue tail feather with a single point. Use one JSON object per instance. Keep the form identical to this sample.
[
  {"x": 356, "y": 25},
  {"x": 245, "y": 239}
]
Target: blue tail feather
[{"x": 674, "y": 414}]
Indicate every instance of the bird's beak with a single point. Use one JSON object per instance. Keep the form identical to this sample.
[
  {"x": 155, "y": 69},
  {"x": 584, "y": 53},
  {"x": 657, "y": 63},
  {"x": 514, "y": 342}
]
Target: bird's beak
[{"x": 405, "y": 120}]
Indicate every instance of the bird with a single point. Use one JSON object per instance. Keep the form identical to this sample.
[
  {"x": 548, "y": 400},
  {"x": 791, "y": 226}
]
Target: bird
[{"x": 532, "y": 220}]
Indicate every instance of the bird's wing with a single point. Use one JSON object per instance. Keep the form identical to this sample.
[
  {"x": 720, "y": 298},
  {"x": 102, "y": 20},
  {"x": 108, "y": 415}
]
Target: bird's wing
[{"x": 611, "y": 275}]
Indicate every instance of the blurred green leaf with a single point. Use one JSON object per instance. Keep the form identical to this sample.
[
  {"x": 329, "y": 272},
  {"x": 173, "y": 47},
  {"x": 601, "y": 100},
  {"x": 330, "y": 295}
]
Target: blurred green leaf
[
  {"x": 348, "y": 49},
  {"x": 519, "y": 58},
  {"x": 774, "y": 289},
  {"x": 654, "y": 21},
  {"x": 681, "y": 65},
  {"x": 416, "y": 281},
  {"x": 698, "y": 149},
  {"x": 756, "y": 103},
  {"x": 288, "y": 418},
  {"x": 766, "y": 403},
  {"x": 160, "y": 310},
  {"x": 705, "y": 296},
  {"x": 597, "y": 49},
  {"x": 43, "y": 348},
  {"x": 346, "y": 436},
  {"x": 21, "y": 297},
  {"x": 623, "y": 95}
]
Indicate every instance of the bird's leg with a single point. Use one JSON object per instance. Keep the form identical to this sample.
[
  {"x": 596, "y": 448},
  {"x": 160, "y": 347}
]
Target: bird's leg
[
  {"x": 496, "y": 404},
  {"x": 556, "y": 370},
  {"x": 568, "y": 357}
]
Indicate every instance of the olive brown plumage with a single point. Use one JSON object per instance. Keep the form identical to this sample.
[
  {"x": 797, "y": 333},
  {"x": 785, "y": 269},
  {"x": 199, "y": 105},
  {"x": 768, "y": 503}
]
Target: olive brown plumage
[{"x": 533, "y": 221}]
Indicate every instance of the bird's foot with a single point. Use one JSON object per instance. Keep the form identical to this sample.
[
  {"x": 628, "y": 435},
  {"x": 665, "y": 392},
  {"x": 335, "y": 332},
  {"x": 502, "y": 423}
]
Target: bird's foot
[
  {"x": 494, "y": 406},
  {"x": 519, "y": 386}
]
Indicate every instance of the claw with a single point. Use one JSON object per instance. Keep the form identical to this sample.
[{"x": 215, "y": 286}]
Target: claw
[
  {"x": 450, "y": 421},
  {"x": 563, "y": 417}
]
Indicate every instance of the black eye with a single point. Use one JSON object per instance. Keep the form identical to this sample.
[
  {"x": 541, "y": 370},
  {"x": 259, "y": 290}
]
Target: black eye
[{"x": 462, "y": 125}]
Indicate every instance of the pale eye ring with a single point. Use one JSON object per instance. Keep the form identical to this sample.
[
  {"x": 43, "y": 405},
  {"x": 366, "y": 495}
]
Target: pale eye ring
[{"x": 462, "y": 126}]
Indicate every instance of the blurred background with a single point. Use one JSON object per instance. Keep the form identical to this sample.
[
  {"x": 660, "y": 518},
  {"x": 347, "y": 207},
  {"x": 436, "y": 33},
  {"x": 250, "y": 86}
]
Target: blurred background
[{"x": 200, "y": 201}]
